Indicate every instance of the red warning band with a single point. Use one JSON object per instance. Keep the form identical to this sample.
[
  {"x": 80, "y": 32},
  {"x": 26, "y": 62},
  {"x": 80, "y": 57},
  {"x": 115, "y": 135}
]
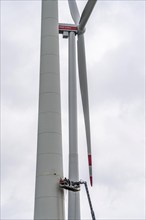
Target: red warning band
[
  {"x": 91, "y": 180},
  {"x": 90, "y": 160}
]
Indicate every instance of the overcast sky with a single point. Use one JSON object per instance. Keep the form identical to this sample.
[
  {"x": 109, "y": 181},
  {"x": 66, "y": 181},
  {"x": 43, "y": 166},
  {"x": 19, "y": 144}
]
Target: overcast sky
[{"x": 115, "y": 51}]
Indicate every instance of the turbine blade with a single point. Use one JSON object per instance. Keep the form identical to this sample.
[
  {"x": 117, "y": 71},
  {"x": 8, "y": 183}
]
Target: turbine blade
[
  {"x": 84, "y": 95},
  {"x": 74, "y": 11},
  {"x": 86, "y": 14}
]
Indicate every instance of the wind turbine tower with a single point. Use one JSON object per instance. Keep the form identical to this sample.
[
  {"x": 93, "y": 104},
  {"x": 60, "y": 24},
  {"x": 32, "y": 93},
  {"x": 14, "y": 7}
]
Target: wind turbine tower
[{"x": 49, "y": 199}]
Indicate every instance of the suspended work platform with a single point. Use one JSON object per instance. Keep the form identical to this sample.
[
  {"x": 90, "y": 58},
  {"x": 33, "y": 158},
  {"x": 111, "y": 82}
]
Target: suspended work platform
[{"x": 69, "y": 185}]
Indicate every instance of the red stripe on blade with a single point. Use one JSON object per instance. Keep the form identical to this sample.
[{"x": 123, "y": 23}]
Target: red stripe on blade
[
  {"x": 90, "y": 160},
  {"x": 91, "y": 180}
]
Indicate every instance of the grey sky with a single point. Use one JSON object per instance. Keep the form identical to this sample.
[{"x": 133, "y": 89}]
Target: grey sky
[{"x": 115, "y": 50}]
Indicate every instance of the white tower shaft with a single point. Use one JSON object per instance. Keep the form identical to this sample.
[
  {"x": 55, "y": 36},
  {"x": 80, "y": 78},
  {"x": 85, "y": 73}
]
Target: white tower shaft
[
  {"x": 49, "y": 199},
  {"x": 74, "y": 199}
]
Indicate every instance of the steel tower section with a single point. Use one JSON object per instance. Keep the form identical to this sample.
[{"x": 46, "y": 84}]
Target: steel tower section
[
  {"x": 49, "y": 199},
  {"x": 74, "y": 197}
]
